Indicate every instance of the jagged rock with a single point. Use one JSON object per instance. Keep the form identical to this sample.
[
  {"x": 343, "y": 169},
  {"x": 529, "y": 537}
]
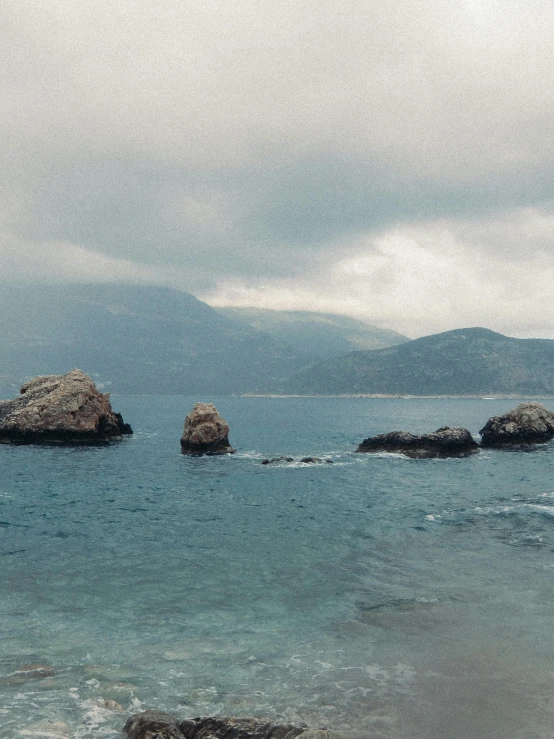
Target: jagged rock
[
  {"x": 158, "y": 725},
  {"x": 527, "y": 423},
  {"x": 275, "y": 460},
  {"x": 60, "y": 408},
  {"x": 152, "y": 725},
  {"x": 205, "y": 431},
  {"x": 444, "y": 442}
]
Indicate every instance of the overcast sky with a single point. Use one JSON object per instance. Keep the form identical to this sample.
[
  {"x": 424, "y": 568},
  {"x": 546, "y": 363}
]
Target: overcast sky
[{"x": 388, "y": 159}]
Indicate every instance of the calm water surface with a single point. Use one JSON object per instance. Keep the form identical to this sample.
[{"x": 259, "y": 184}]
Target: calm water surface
[{"x": 409, "y": 598}]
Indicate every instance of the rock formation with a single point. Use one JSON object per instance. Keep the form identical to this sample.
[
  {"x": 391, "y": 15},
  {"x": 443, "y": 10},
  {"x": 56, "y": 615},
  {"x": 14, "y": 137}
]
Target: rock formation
[
  {"x": 527, "y": 423},
  {"x": 444, "y": 442},
  {"x": 60, "y": 408},
  {"x": 205, "y": 431},
  {"x": 158, "y": 725}
]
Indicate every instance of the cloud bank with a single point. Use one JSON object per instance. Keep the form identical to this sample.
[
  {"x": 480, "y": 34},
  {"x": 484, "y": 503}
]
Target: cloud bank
[{"x": 389, "y": 160}]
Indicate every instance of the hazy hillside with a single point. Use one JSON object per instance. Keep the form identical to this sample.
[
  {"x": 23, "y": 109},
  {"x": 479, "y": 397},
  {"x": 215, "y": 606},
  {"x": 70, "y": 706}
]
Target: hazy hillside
[
  {"x": 133, "y": 339},
  {"x": 472, "y": 361},
  {"x": 318, "y": 335}
]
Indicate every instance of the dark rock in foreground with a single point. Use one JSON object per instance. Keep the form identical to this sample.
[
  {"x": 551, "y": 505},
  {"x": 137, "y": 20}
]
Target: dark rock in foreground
[
  {"x": 60, "y": 408},
  {"x": 527, "y": 423},
  {"x": 152, "y": 725},
  {"x": 205, "y": 431},
  {"x": 158, "y": 725},
  {"x": 444, "y": 442}
]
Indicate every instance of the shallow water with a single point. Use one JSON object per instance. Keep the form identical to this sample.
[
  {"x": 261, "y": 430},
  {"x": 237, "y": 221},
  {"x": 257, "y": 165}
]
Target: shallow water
[{"x": 407, "y": 597}]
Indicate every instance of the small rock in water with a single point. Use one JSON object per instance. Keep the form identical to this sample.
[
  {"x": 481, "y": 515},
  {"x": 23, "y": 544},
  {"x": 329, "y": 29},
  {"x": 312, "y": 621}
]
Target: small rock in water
[
  {"x": 205, "y": 431},
  {"x": 35, "y": 670},
  {"x": 274, "y": 460},
  {"x": 47, "y": 728},
  {"x": 304, "y": 460},
  {"x": 109, "y": 704}
]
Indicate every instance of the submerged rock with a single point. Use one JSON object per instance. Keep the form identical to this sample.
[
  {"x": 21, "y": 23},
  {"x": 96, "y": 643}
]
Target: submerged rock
[
  {"x": 205, "y": 431},
  {"x": 60, "y": 408},
  {"x": 304, "y": 460},
  {"x": 527, "y": 423},
  {"x": 276, "y": 460},
  {"x": 47, "y": 728},
  {"x": 444, "y": 442},
  {"x": 158, "y": 725}
]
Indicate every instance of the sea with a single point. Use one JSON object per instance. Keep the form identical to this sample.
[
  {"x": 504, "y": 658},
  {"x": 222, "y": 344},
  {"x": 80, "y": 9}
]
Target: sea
[{"x": 403, "y": 598}]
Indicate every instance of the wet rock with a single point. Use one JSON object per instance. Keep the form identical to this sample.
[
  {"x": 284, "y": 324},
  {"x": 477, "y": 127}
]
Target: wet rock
[
  {"x": 109, "y": 704},
  {"x": 152, "y": 725},
  {"x": 205, "y": 431},
  {"x": 35, "y": 670},
  {"x": 60, "y": 408},
  {"x": 444, "y": 442},
  {"x": 304, "y": 460},
  {"x": 237, "y": 728},
  {"x": 47, "y": 728},
  {"x": 156, "y": 725},
  {"x": 275, "y": 460},
  {"x": 527, "y": 423}
]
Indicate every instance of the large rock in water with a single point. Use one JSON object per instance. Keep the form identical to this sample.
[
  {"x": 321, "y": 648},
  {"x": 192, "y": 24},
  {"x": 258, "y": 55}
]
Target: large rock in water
[
  {"x": 205, "y": 431},
  {"x": 527, "y": 423},
  {"x": 60, "y": 408},
  {"x": 444, "y": 442},
  {"x": 158, "y": 725}
]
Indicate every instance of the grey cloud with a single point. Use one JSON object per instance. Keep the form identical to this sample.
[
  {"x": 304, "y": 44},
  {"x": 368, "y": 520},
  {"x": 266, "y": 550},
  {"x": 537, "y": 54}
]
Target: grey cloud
[{"x": 245, "y": 141}]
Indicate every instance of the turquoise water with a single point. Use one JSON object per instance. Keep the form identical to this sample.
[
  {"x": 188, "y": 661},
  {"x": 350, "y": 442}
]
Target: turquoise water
[{"x": 411, "y": 598}]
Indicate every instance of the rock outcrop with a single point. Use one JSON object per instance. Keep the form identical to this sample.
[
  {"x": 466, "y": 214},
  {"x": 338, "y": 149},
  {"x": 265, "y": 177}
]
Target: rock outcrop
[
  {"x": 60, "y": 408},
  {"x": 444, "y": 442},
  {"x": 158, "y": 725},
  {"x": 527, "y": 423},
  {"x": 205, "y": 431}
]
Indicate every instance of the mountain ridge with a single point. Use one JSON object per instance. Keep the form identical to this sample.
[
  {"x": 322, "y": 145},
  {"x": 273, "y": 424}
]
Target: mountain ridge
[
  {"x": 322, "y": 335},
  {"x": 466, "y": 361}
]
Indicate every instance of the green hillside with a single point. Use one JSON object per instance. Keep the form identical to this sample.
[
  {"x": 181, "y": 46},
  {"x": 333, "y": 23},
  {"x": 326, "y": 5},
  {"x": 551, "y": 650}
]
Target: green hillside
[{"x": 472, "y": 361}]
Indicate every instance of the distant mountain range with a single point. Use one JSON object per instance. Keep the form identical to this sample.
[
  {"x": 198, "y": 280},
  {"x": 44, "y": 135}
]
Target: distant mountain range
[
  {"x": 154, "y": 340},
  {"x": 146, "y": 339},
  {"x": 133, "y": 339},
  {"x": 472, "y": 361},
  {"x": 316, "y": 335}
]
